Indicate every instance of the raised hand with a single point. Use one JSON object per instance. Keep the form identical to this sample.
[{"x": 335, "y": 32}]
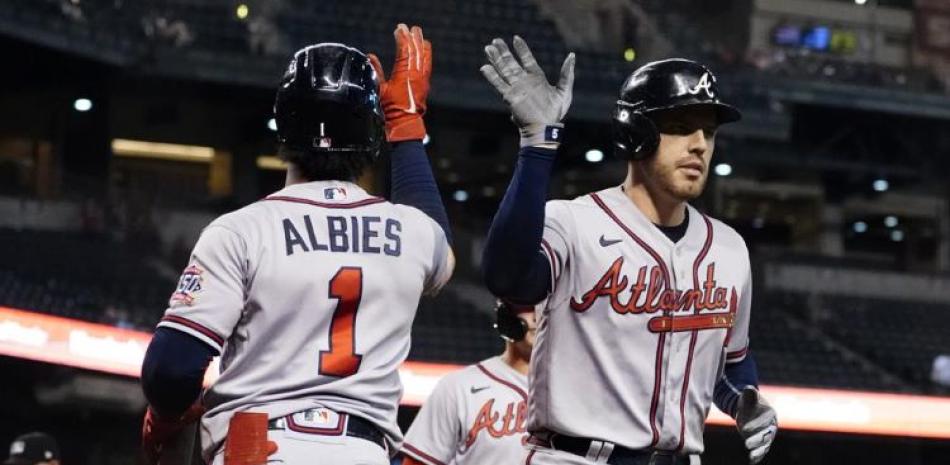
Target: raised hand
[
  {"x": 537, "y": 107},
  {"x": 404, "y": 94}
]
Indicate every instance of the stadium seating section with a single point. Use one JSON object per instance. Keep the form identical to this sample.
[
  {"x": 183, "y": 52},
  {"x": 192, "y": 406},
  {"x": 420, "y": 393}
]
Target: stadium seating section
[{"x": 273, "y": 29}]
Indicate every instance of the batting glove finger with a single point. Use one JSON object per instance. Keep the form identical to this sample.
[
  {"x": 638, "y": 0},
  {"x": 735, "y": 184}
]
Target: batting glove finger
[{"x": 537, "y": 107}]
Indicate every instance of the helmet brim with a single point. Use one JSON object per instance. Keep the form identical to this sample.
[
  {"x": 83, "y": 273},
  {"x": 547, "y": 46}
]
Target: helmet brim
[{"x": 725, "y": 113}]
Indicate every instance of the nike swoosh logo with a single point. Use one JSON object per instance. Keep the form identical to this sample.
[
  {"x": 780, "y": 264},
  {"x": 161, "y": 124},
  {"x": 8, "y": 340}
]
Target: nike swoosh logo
[
  {"x": 608, "y": 242},
  {"x": 412, "y": 98},
  {"x": 476, "y": 390}
]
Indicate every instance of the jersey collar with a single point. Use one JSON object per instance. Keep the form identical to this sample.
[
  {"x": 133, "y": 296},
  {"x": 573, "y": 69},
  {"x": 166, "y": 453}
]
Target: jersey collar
[
  {"x": 629, "y": 213},
  {"x": 332, "y": 192}
]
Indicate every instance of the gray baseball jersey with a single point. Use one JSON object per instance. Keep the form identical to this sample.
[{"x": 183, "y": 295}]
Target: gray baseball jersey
[
  {"x": 637, "y": 328},
  {"x": 474, "y": 416},
  {"x": 309, "y": 295}
]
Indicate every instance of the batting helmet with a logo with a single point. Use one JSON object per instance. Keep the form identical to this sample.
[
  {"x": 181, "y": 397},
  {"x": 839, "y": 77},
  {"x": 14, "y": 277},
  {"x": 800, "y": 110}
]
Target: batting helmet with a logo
[
  {"x": 328, "y": 101},
  {"x": 655, "y": 87}
]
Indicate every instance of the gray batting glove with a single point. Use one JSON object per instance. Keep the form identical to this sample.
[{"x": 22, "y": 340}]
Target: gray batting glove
[
  {"x": 757, "y": 423},
  {"x": 537, "y": 107}
]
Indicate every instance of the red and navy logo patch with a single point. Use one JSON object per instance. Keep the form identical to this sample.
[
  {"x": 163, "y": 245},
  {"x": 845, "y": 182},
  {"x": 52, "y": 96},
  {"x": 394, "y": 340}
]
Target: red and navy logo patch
[
  {"x": 189, "y": 285},
  {"x": 334, "y": 193}
]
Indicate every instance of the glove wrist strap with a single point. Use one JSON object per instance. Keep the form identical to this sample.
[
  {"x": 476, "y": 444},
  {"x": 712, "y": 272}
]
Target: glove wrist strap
[{"x": 542, "y": 135}]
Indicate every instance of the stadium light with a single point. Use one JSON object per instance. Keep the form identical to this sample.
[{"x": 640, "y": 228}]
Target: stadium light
[
  {"x": 82, "y": 104},
  {"x": 897, "y": 235},
  {"x": 271, "y": 163},
  {"x": 890, "y": 221},
  {"x": 272, "y": 124},
  {"x": 594, "y": 156},
  {"x": 629, "y": 54},
  {"x": 723, "y": 169},
  {"x": 460, "y": 196},
  {"x": 860, "y": 2},
  {"x": 881, "y": 185},
  {"x": 162, "y": 151},
  {"x": 242, "y": 11},
  {"x": 860, "y": 227}
]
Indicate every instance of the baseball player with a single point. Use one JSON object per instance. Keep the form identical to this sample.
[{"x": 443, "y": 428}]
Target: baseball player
[
  {"x": 310, "y": 293},
  {"x": 646, "y": 322},
  {"x": 477, "y": 415},
  {"x": 34, "y": 448}
]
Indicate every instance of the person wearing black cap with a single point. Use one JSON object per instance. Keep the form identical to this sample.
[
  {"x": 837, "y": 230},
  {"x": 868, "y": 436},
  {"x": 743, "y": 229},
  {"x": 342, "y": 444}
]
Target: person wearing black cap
[
  {"x": 648, "y": 299},
  {"x": 33, "y": 449}
]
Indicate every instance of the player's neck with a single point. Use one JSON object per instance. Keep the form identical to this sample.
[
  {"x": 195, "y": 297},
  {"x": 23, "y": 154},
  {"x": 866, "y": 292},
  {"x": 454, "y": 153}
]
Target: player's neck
[
  {"x": 657, "y": 207},
  {"x": 294, "y": 176},
  {"x": 511, "y": 358}
]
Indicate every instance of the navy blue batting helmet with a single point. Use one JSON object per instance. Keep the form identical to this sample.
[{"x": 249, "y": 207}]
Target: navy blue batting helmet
[
  {"x": 658, "y": 86},
  {"x": 328, "y": 101}
]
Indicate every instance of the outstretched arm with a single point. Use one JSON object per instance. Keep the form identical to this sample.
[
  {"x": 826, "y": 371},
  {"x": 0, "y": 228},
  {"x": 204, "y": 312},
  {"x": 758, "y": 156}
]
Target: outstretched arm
[
  {"x": 403, "y": 97},
  {"x": 512, "y": 264}
]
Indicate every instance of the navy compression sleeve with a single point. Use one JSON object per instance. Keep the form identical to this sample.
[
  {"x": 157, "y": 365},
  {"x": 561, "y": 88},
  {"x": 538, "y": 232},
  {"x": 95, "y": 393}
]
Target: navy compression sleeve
[
  {"x": 735, "y": 378},
  {"x": 511, "y": 264},
  {"x": 173, "y": 370},
  {"x": 413, "y": 183}
]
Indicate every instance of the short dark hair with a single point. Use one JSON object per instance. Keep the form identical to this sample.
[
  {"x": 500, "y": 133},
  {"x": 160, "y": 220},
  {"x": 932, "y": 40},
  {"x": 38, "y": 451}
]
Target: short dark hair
[{"x": 327, "y": 166}]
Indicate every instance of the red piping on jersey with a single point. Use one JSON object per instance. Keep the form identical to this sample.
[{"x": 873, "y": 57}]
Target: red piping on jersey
[
  {"x": 334, "y": 431},
  {"x": 649, "y": 250},
  {"x": 421, "y": 455},
  {"x": 692, "y": 338},
  {"x": 527, "y": 461},
  {"x": 554, "y": 260},
  {"x": 658, "y": 371},
  {"x": 358, "y": 203},
  {"x": 195, "y": 326},
  {"x": 491, "y": 375}
]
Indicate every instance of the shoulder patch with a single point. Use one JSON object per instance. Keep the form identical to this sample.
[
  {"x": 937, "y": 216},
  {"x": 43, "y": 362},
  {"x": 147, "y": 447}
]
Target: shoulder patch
[{"x": 189, "y": 286}]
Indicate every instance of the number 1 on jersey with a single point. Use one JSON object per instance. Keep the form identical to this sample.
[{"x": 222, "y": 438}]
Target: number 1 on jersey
[{"x": 347, "y": 288}]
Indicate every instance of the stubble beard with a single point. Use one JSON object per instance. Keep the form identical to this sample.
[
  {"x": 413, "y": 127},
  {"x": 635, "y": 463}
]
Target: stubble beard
[{"x": 667, "y": 180}]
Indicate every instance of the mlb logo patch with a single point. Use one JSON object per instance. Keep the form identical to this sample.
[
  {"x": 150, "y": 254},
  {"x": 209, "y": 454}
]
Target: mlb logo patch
[
  {"x": 334, "y": 193},
  {"x": 319, "y": 418},
  {"x": 189, "y": 285}
]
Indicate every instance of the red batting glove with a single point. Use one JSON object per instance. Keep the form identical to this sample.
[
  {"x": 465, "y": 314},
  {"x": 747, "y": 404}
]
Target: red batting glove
[
  {"x": 404, "y": 94},
  {"x": 156, "y": 430},
  {"x": 247, "y": 442}
]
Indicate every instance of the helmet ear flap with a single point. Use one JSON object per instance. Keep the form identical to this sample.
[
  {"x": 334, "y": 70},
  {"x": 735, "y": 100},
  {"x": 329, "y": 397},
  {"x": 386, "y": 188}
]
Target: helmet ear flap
[
  {"x": 509, "y": 326},
  {"x": 635, "y": 135}
]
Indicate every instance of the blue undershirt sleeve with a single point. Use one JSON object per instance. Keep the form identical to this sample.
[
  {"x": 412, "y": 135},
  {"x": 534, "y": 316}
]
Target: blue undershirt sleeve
[
  {"x": 512, "y": 266},
  {"x": 173, "y": 371},
  {"x": 413, "y": 183},
  {"x": 734, "y": 379}
]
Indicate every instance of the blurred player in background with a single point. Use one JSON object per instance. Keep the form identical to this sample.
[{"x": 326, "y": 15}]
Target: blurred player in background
[
  {"x": 33, "y": 449},
  {"x": 649, "y": 299},
  {"x": 477, "y": 415},
  {"x": 309, "y": 294}
]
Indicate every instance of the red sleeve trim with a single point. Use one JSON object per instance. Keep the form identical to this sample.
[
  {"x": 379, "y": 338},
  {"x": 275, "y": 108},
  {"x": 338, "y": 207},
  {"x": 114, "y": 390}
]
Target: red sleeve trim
[
  {"x": 204, "y": 330},
  {"x": 418, "y": 454},
  {"x": 737, "y": 354}
]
